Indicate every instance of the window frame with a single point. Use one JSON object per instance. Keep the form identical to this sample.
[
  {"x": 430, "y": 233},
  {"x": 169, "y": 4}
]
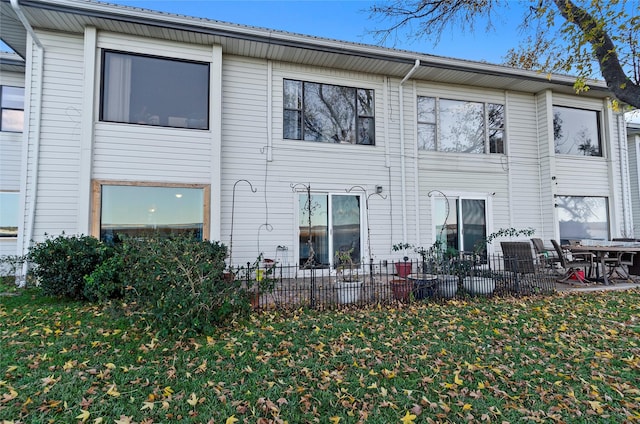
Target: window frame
[
  {"x": 599, "y": 130},
  {"x": 3, "y": 107},
  {"x": 436, "y": 124},
  {"x": 358, "y": 116},
  {"x": 96, "y": 201},
  {"x": 153, "y": 120}
]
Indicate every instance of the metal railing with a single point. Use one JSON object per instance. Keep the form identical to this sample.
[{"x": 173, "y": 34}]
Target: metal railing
[{"x": 388, "y": 282}]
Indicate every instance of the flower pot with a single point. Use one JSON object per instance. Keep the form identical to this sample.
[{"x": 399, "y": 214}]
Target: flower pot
[
  {"x": 447, "y": 286},
  {"x": 479, "y": 285},
  {"x": 403, "y": 268},
  {"x": 254, "y": 298},
  {"x": 424, "y": 286},
  {"x": 401, "y": 289},
  {"x": 348, "y": 291}
]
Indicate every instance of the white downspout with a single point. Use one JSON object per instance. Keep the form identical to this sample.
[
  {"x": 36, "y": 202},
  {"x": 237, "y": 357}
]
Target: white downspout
[
  {"x": 402, "y": 158},
  {"x": 25, "y": 240},
  {"x": 624, "y": 176},
  {"x": 269, "y": 111}
]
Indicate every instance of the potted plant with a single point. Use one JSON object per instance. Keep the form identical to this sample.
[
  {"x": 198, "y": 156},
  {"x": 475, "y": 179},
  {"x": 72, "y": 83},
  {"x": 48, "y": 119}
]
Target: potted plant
[
  {"x": 403, "y": 268},
  {"x": 482, "y": 284},
  {"x": 348, "y": 282},
  {"x": 258, "y": 278}
]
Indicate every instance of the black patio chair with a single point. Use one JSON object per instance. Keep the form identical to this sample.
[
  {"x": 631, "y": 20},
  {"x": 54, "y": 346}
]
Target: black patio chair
[
  {"x": 546, "y": 256},
  {"x": 573, "y": 264}
]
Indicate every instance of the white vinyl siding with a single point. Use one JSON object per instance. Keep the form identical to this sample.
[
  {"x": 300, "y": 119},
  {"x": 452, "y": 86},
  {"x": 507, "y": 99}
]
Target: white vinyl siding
[
  {"x": 58, "y": 178},
  {"x": 151, "y": 154},
  {"x": 523, "y": 164},
  {"x": 326, "y": 167}
]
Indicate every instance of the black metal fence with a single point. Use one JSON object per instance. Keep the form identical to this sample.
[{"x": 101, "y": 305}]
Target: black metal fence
[{"x": 387, "y": 282}]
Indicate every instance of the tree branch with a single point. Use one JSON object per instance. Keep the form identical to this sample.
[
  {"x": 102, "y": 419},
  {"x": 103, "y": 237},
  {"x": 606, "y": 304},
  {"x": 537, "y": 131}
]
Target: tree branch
[{"x": 622, "y": 87}]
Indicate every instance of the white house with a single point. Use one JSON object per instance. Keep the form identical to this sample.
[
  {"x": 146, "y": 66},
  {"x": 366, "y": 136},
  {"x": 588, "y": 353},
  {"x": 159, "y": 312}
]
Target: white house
[{"x": 135, "y": 119}]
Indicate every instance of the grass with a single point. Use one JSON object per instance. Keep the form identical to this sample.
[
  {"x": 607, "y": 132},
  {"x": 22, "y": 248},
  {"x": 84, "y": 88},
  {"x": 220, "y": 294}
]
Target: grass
[{"x": 566, "y": 358}]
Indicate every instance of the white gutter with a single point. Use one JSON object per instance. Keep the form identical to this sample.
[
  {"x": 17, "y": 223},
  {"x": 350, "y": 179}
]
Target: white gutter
[
  {"x": 25, "y": 240},
  {"x": 402, "y": 158}
]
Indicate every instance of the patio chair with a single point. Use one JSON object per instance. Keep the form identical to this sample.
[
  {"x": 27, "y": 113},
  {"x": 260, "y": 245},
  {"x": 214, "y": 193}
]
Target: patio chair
[
  {"x": 626, "y": 261},
  {"x": 518, "y": 257},
  {"x": 547, "y": 256},
  {"x": 573, "y": 265}
]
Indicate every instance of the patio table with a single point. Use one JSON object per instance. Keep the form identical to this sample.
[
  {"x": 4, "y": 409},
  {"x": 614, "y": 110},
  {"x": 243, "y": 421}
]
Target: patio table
[{"x": 602, "y": 252}]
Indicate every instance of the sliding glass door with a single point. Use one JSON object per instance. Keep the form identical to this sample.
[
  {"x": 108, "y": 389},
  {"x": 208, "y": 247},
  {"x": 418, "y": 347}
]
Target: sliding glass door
[
  {"x": 328, "y": 223},
  {"x": 460, "y": 223}
]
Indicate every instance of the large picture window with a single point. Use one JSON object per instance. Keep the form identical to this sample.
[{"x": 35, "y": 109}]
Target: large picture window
[
  {"x": 576, "y": 131},
  {"x": 9, "y": 211},
  {"x": 460, "y": 126},
  {"x": 328, "y": 113},
  {"x": 135, "y": 209},
  {"x": 154, "y": 91},
  {"x": 583, "y": 217},
  {"x": 11, "y": 108}
]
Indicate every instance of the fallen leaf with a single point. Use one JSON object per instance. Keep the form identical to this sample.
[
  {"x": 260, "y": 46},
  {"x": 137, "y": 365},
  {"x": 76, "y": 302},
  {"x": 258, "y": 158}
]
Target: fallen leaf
[
  {"x": 408, "y": 418},
  {"x": 84, "y": 415}
]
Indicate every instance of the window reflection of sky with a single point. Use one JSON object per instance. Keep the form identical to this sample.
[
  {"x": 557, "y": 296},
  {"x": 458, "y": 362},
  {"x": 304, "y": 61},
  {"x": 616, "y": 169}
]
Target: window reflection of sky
[
  {"x": 576, "y": 131},
  {"x": 127, "y": 205},
  {"x": 9, "y": 209}
]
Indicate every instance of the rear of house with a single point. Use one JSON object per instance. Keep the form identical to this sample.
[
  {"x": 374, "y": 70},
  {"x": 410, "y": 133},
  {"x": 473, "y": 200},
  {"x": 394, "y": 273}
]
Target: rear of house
[{"x": 293, "y": 146}]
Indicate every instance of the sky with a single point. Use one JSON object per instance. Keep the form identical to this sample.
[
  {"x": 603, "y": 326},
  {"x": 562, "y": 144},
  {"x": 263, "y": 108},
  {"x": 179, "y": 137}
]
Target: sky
[{"x": 342, "y": 20}]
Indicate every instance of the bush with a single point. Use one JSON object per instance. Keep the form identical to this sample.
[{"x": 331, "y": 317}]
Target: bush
[
  {"x": 62, "y": 262},
  {"x": 106, "y": 281},
  {"x": 176, "y": 283}
]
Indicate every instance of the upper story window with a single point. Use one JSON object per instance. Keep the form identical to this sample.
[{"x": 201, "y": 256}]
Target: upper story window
[
  {"x": 576, "y": 131},
  {"x": 12, "y": 106},
  {"x": 154, "y": 91},
  {"x": 328, "y": 113},
  {"x": 460, "y": 126}
]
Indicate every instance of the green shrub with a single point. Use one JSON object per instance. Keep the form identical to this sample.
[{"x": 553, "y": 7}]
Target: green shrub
[
  {"x": 176, "y": 283},
  {"x": 62, "y": 262},
  {"x": 106, "y": 281}
]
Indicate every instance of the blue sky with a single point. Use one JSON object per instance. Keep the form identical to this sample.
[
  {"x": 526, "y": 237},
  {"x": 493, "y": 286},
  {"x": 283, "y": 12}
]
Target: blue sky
[{"x": 345, "y": 20}]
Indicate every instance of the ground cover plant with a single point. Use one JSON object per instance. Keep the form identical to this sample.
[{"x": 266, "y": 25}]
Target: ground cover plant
[{"x": 566, "y": 358}]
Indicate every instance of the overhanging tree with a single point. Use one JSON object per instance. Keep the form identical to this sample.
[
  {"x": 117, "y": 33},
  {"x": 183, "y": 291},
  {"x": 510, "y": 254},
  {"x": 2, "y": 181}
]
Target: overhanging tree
[{"x": 577, "y": 37}]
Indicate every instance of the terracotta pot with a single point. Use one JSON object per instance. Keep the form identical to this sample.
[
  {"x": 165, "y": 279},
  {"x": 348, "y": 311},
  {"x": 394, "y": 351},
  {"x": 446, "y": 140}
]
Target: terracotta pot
[
  {"x": 401, "y": 289},
  {"x": 254, "y": 298},
  {"x": 403, "y": 268}
]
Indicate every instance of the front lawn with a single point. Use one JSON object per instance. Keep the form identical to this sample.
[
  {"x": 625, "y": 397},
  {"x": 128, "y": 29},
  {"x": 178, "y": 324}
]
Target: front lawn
[{"x": 567, "y": 358}]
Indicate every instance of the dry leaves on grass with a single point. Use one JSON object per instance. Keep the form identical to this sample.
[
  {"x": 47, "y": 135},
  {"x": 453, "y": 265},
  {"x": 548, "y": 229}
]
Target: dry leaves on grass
[{"x": 563, "y": 358}]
